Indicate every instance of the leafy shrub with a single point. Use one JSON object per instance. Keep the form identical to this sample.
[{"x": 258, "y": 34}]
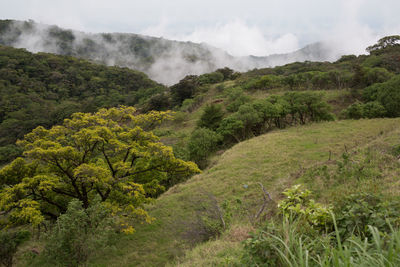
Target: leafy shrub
[
  {"x": 231, "y": 128},
  {"x": 298, "y": 203},
  {"x": 211, "y": 117},
  {"x": 184, "y": 89},
  {"x": 201, "y": 144},
  {"x": 257, "y": 117},
  {"x": 187, "y": 105},
  {"x": 264, "y": 82},
  {"x": 251, "y": 120},
  {"x": 354, "y": 111},
  {"x": 368, "y": 110},
  {"x": 359, "y": 211},
  {"x": 374, "y": 110},
  {"x": 79, "y": 234},
  {"x": 307, "y": 106},
  {"x": 290, "y": 243},
  {"x": 8, "y": 153},
  {"x": 158, "y": 102},
  {"x": 236, "y": 98},
  {"x": 9, "y": 243},
  {"x": 211, "y": 78},
  {"x": 234, "y": 104},
  {"x": 387, "y": 94},
  {"x": 228, "y": 73}
]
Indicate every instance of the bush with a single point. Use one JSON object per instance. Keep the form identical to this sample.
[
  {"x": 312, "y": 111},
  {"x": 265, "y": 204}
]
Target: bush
[
  {"x": 158, "y": 102},
  {"x": 307, "y": 106},
  {"x": 368, "y": 110},
  {"x": 265, "y": 82},
  {"x": 359, "y": 211},
  {"x": 79, "y": 234},
  {"x": 373, "y": 110},
  {"x": 231, "y": 128},
  {"x": 186, "y": 88},
  {"x": 228, "y": 73},
  {"x": 354, "y": 111},
  {"x": 201, "y": 144},
  {"x": 236, "y": 98},
  {"x": 8, "y": 153},
  {"x": 211, "y": 117},
  {"x": 387, "y": 94},
  {"x": 187, "y": 105},
  {"x": 298, "y": 204},
  {"x": 9, "y": 243},
  {"x": 211, "y": 78}
]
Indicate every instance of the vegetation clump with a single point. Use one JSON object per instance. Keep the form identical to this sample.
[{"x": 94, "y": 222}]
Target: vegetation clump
[{"x": 110, "y": 154}]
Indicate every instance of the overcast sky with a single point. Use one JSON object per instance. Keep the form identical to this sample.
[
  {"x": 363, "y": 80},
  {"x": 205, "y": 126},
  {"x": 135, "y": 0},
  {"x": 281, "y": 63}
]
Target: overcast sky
[{"x": 242, "y": 27}]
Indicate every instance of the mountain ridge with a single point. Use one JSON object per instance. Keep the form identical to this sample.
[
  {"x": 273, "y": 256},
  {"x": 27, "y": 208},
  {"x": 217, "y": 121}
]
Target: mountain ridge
[{"x": 166, "y": 61}]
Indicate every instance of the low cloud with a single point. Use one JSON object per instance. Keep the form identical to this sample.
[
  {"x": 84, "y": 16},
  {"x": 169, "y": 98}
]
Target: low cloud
[{"x": 236, "y": 37}]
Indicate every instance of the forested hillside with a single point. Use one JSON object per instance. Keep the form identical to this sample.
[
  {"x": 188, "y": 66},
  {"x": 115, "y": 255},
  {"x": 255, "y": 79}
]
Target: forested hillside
[
  {"x": 44, "y": 89},
  {"x": 300, "y": 164},
  {"x": 165, "y": 61},
  {"x": 223, "y": 108}
]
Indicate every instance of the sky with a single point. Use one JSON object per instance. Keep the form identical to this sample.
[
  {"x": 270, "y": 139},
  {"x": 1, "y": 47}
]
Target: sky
[{"x": 241, "y": 27}]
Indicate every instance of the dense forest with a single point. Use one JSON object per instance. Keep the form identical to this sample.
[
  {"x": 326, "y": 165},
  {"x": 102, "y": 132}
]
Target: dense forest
[
  {"x": 44, "y": 89},
  {"x": 299, "y": 163}
]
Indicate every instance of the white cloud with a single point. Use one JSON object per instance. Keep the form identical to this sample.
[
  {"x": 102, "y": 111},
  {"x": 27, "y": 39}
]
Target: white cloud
[
  {"x": 235, "y": 37},
  {"x": 242, "y": 27},
  {"x": 350, "y": 34}
]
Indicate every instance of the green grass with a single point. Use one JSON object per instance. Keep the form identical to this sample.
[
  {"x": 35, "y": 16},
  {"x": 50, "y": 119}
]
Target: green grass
[
  {"x": 275, "y": 159},
  {"x": 290, "y": 246}
]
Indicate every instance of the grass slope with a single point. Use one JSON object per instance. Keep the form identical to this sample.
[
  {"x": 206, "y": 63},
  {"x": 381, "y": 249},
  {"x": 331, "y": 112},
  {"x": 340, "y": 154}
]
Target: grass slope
[{"x": 274, "y": 159}]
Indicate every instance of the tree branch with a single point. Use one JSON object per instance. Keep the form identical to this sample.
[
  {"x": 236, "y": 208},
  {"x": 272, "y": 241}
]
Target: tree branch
[
  {"x": 108, "y": 161},
  {"x": 265, "y": 195}
]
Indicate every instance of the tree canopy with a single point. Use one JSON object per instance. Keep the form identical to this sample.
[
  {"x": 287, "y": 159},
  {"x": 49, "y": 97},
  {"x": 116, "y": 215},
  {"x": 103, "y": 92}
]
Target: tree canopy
[
  {"x": 385, "y": 42},
  {"x": 44, "y": 89},
  {"x": 111, "y": 154}
]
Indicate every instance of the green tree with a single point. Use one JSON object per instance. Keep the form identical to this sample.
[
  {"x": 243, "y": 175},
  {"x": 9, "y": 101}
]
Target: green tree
[
  {"x": 9, "y": 243},
  {"x": 354, "y": 111},
  {"x": 202, "y": 143},
  {"x": 307, "y": 106},
  {"x": 211, "y": 117},
  {"x": 387, "y": 94},
  {"x": 211, "y": 78},
  {"x": 184, "y": 89},
  {"x": 79, "y": 234},
  {"x": 227, "y": 73},
  {"x": 111, "y": 154},
  {"x": 250, "y": 118},
  {"x": 236, "y": 98},
  {"x": 385, "y": 42},
  {"x": 373, "y": 110},
  {"x": 231, "y": 128}
]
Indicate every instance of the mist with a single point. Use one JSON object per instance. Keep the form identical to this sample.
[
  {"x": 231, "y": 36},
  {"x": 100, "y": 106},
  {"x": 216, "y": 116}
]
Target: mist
[{"x": 169, "y": 56}]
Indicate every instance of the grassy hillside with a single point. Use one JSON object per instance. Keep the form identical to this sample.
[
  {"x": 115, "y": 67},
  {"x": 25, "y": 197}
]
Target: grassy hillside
[
  {"x": 274, "y": 127},
  {"x": 277, "y": 160}
]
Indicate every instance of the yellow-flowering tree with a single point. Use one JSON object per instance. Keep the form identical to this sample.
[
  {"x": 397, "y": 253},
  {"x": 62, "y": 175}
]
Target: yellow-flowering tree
[{"x": 111, "y": 154}]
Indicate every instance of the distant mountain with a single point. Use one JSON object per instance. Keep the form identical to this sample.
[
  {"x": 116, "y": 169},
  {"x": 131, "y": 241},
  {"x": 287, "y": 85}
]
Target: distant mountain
[
  {"x": 319, "y": 51},
  {"x": 165, "y": 61}
]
